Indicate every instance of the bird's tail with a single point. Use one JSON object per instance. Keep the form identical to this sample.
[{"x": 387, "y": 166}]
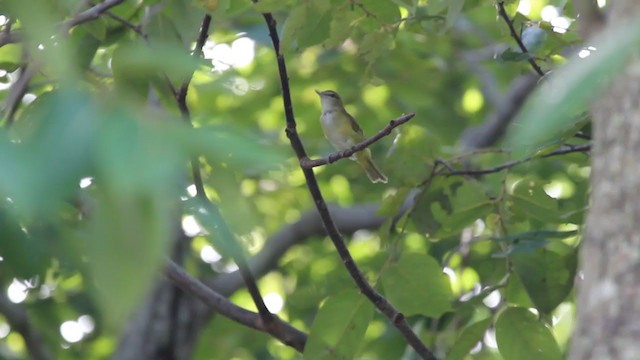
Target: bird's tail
[{"x": 375, "y": 175}]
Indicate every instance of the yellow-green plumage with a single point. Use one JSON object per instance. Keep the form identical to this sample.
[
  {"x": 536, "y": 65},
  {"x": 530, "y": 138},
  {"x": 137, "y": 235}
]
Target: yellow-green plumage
[{"x": 343, "y": 132}]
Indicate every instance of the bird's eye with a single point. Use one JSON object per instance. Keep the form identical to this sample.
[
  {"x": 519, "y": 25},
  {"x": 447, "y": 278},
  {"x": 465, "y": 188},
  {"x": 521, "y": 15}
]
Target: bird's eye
[{"x": 333, "y": 95}]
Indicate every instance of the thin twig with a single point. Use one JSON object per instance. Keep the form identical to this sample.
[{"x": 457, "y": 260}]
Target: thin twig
[
  {"x": 516, "y": 37},
  {"x": 475, "y": 172},
  {"x": 380, "y": 302},
  {"x": 281, "y": 330},
  {"x": 233, "y": 248},
  {"x": 338, "y": 155},
  {"x": 19, "y": 321},
  {"x": 136, "y": 28}
]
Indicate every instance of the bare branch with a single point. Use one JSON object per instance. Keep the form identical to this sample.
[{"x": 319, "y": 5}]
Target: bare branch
[
  {"x": 338, "y": 155},
  {"x": 380, "y": 302},
  {"x": 516, "y": 37},
  {"x": 281, "y": 330},
  {"x": 475, "y": 172},
  {"x": 232, "y": 246}
]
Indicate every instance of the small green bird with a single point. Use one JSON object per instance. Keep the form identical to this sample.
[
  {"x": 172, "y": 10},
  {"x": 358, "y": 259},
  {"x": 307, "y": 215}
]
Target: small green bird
[{"x": 343, "y": 132}]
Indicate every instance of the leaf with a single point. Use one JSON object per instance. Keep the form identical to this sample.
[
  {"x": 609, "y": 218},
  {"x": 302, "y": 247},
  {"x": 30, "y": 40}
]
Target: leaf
[
  {"x": 340, "y": 26},
  {"x": 269, "y": 6},
  {"x": 530, "y": 200},
  {"x": 55, "y": 150},
  {"x": 547, "y": 276},
  {"x": 417, "y": 285},
  {"x": 568, "y": 91},
  {"x": 295, "y": 23},
  {"x": 469, "y": 338},
  {"x": 10, "y": 57},
  {"x": 134, "y": 213},
  {"x": 521, "y": 336},
  {"x": 469, "y": 204},
  {"x": 453, "y": 11},
  {"x": 339, "y": 326}
]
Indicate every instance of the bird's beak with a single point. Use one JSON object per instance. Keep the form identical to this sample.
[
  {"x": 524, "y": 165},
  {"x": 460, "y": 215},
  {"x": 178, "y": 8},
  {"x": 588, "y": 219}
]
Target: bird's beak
[{"x": 318, "y": 92}]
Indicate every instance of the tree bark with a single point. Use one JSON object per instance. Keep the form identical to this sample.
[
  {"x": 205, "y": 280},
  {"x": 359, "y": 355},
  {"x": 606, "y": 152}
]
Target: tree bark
[{"x": 608, "y": 311}]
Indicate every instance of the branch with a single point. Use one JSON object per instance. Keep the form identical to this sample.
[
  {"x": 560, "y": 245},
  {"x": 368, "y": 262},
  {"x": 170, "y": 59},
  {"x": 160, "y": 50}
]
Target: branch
[
  {"x": 20, "y": 87},
  {"x": 228, "y": 239},
  {"x": 307, "y": 163},
  {"x": 90, "y": 14},
  {"x": 281, "y": 330},
  {"x": 19, "y": 321},
  {"x": 381, "y": 303},
  {"x": 509, "y": 164},
  {"x": 516, "y": 37}
]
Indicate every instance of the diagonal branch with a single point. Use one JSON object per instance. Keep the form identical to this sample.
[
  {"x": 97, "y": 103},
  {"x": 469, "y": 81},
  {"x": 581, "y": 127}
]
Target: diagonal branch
[
  {"x": 516, "y": 37},
  {"x": 281, "y": 330},
  {"x": 232, "y": 247},
  {"x": 380, "y": 302},
  {"x": 476, "y": 172},
  {"x": 307, "y": 163}
]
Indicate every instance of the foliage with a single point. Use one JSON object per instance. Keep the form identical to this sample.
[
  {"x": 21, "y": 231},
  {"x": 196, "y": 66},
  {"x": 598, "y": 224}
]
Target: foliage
[{"x": 95, "y": 179}]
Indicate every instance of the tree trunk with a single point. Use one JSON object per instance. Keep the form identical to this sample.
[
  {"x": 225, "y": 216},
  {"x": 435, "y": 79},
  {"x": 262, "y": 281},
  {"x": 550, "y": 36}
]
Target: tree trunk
[{"x": 608, "y": 311}]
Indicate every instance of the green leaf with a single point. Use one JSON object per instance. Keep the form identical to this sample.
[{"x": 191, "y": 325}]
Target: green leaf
[
  {"x": 295, "y": 23},
  {"x": 269, "y": 6},
  {"x": 341, "y": 25},
  {"x": 10, "y": 57},
  {"x": 453, "y": 11},
  {"x": 521, "y": 336},
  {"x": 339, "y": 326},
  {"x": 469, "y": 338},
  {"x": 134, "y": 216},
  {"x": 568, "y": 91},
  {"x": 468, "y": 204},
  {"x": 417, "y": 285},
  {"x": 546, "y": 275},
  {"x": 44, "y": 169},
  {"x": 530, "y": 200}
]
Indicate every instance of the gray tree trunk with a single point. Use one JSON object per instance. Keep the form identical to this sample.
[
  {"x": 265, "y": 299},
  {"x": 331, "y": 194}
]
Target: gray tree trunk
[{"x": 608, "y": 310}]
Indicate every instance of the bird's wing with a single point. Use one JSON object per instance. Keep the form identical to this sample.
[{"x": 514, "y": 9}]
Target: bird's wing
[{"x": 354, "y": 125}]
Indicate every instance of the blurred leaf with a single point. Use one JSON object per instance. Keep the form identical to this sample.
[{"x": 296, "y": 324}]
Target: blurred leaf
[
  {"x": 469, "y": 338},
  {"x": 24, "y": 255},
  {"x": 269, "y": 6},
  {"x": 521, "y": 336},
  {"x": 453, "y": 12},
  {"x": 546, "y": 275},
  {"x": 294, "y": 25},
  {"x": 417, "y": 285},
  {"x": 567, "y": 92},
  {"x": 530, "y": 198},
  {"x": 339, "y": 326},
  {"x": 46, "y": 166},
  {"x": 131, "y": 227},
  {"x": 10, "y": 57}
]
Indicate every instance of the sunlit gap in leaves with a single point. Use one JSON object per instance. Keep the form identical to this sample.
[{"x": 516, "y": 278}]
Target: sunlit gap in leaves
[
  {"x": 274, "y": 302},
  {"x": 190, "y": 226},
  {"x": 239, "y": 54},
  {"x": 73, "y": 331},
  {"x": 524, "y": 7},
  {"x": 18, "y": 290},
  {"x": 490, "y": 339},
  {"x": 551, "y": 14},
  {"x": 5, "y": 329},
  {"x": 586, "y": 52},
  {"x": 86, "y": 182}
]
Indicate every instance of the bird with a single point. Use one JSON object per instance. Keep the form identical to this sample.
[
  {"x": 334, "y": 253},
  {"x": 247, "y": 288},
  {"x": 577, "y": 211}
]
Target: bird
[{"x": 343, "y": 132}]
